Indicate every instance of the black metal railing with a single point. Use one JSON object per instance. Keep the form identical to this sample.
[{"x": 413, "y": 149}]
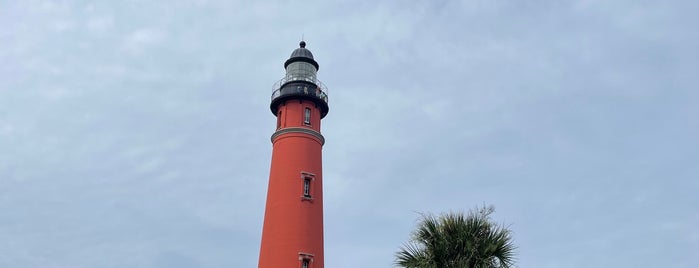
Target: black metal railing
[{"x": 318, "y": 92}]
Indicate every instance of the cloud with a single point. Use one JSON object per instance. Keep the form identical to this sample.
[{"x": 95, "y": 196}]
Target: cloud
[
  {"x": 139, "y": 40},
  {"x": 137, "y": 134},
  {"x": 100, "y": 24}
]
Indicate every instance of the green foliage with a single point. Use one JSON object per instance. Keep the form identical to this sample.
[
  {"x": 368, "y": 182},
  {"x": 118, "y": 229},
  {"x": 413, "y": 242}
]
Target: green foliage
[{"x": 455, "y": 240}]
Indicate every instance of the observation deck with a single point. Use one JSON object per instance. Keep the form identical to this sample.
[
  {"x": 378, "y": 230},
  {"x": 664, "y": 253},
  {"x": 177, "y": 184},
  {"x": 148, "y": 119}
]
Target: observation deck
[{"x": 300, "y": 87}]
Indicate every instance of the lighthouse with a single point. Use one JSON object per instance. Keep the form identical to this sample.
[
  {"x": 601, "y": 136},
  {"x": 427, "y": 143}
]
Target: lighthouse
[{"x": 292, "y": 233}]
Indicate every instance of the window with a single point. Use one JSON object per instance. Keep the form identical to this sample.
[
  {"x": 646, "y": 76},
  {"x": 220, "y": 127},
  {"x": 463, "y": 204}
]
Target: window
[
  {"x": 305, "y": 259},
  {"x": 307, "y": 180},
  {"x": 301, "y": 71},
  {"x": 307, "y": 116},
  {"x": 307, "y": 187},
  {"x": 279, "y": 119}
]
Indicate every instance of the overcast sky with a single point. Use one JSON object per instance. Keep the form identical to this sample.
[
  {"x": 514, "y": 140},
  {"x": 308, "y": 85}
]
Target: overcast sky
[{"x": 136, "y": 133}]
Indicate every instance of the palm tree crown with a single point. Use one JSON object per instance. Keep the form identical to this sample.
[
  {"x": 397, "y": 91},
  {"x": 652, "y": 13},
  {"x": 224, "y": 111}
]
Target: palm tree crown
[{"x": 455, "y": 240}]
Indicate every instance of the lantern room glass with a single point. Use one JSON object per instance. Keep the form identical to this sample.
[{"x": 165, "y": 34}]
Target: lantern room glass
[{"x": 300, "y": 70}]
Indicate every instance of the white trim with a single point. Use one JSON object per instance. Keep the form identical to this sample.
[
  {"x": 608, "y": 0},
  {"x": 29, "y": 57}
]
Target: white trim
[
  {"x": 304, "y": 254},
  {"x": 308, "y": 174},
  {"x": 303, "y": 130}
]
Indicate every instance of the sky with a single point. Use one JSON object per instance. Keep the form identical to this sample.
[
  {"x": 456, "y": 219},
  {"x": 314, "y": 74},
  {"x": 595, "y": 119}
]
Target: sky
[{"x": 137, "y": 133}]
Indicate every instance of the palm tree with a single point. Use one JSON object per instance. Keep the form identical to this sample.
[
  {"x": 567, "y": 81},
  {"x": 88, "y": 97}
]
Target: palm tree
[{"x": 456, "y": 241}]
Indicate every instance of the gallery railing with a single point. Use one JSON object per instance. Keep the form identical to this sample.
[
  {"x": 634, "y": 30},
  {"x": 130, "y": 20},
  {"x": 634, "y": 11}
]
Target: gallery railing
[{"x": 319, "y": 91}]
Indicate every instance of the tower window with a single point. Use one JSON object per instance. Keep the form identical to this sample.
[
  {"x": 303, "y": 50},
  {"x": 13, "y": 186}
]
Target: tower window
[
  {"x": 307, "y": 179},
  {"x": 279, "y": 119},
  {"x": 305, "y": 259},
  {"x": 307, "y": 116},
  {"x": 307, "y": 187}
]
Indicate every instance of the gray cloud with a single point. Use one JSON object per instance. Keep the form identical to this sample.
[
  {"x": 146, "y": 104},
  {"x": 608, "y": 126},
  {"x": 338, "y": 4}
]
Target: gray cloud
[{"x": 137, "y": 133}]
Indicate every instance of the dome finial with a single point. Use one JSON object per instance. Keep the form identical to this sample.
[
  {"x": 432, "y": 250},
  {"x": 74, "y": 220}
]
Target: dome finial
[{"x": 302, "y": 44}]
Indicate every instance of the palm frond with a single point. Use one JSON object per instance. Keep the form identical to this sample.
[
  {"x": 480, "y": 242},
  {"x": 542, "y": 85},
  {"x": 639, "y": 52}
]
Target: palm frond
[{"x": 455, "y": 240}]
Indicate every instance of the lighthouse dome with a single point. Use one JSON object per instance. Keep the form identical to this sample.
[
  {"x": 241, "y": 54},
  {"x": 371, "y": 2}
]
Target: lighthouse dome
[
  {"x": 301, "y": 54},
  {"x": 302, "y": 51}
]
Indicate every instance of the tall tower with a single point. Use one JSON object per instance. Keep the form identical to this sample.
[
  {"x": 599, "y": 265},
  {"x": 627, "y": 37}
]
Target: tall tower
[{"x": 292, "y": 235}]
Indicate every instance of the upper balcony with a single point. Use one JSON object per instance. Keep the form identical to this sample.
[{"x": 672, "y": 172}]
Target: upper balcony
[
  {"x": 319, "y": 89},
  {"x": 292, "y": 87}
]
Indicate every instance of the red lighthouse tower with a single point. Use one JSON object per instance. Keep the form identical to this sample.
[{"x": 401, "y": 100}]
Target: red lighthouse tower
[{"x": 292, "y": 235}]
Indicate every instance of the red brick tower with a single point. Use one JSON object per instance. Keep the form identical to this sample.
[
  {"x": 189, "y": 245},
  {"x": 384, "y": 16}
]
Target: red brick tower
[{"x": 292, "y": 235}]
